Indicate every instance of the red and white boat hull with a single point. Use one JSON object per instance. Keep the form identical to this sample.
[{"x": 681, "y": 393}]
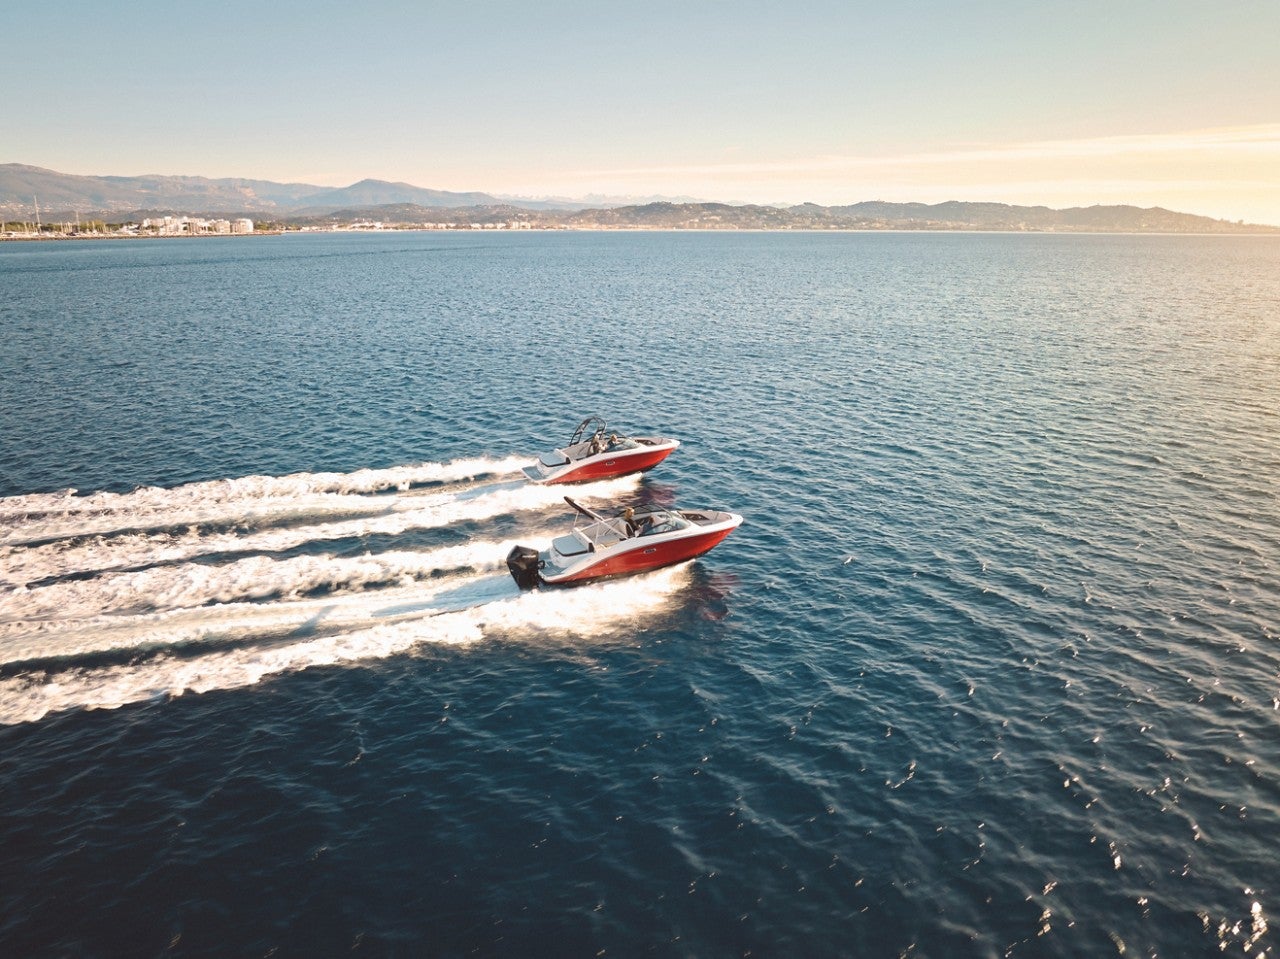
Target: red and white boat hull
[
  {"x": 641, "y": 557},
  {"x": 610, "y": 547},
  {"x": 578, "y": 465}
]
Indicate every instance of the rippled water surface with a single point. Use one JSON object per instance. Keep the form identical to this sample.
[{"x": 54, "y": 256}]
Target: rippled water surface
[{"x": 992, "y": 668}]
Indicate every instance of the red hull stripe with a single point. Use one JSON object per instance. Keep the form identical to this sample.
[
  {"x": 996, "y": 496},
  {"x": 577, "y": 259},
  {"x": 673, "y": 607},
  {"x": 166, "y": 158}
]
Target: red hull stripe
[
  {"x": 644, "y": 557},
  {"x": 609, "y": 466}
]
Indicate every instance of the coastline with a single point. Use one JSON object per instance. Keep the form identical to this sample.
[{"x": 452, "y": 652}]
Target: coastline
[
  {"x": 62, "y": 237},
  {"x": 52, "y": 237}
]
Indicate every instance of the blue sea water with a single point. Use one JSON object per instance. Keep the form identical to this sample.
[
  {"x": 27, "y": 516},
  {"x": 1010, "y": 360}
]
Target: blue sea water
[{"x": 991, "y": 669}]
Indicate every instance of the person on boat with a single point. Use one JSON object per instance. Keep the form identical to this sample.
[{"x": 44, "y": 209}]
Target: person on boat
[
  {"x": 637, "y": 527},
  {"x": 619, "y": 443},
  {"x": 596, "y": 445}
]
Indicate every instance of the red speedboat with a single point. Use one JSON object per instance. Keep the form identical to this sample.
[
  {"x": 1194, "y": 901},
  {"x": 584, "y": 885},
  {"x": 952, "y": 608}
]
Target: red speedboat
[
  {"x": 594, "y": 453},
  {"x": 632, "y": 541}
]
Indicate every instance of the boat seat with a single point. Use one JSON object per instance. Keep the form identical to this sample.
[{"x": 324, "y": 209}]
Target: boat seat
[
  {"x": 570, "y": 546},
  {"x": 554, "y": 458}
]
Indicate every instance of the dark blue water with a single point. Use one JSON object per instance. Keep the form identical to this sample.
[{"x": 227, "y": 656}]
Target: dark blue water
[{"x": 992, "y": 668}]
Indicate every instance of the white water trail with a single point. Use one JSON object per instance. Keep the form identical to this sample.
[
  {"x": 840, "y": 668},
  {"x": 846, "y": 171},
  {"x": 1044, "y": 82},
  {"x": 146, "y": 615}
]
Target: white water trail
[
  {"x": 248, "y": 501},
  {"x": 127, "y": 634},
  {"x": 161, "y": 588},
  {"x": 26, "y": 564},
  {"x": 585, "y": 611},
  {"x": 160, "y": 499}
]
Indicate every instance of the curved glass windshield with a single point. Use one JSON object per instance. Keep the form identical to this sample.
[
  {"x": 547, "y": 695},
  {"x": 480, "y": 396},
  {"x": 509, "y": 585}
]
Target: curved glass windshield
[{"x": 661, "y": 522}]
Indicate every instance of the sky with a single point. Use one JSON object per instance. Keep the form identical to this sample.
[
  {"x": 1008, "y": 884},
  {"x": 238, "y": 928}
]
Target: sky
[{"x": 1172, "y": 103}]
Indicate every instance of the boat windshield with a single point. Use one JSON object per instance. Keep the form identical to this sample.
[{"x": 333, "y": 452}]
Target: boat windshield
[{"x": 660, "y": 521}]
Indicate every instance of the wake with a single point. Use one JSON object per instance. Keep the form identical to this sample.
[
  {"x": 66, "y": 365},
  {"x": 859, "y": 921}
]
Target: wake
[
  {"x": 28, "y": 564},
  {"x": 57, "y": 644},
  {"x": 585, "y": 611},
  {"x": 254, "y": 578},
  {"x": 45, "y": 516},
  {"x": 112, "y": 599},
  {"x": 155, "y": 499}
]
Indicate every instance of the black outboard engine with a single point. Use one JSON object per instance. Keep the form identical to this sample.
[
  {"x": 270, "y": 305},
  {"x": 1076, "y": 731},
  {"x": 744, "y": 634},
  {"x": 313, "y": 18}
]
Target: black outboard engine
[{"x": 524, "y": 565}]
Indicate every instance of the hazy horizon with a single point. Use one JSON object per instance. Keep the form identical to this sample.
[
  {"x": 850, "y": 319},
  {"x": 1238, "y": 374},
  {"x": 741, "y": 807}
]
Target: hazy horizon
[{"x": 1169, "y": 104}]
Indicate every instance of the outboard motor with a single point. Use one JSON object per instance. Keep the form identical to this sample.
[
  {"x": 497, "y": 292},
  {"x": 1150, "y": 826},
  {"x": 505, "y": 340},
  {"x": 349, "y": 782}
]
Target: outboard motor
[{"x": 524, "y": 565}]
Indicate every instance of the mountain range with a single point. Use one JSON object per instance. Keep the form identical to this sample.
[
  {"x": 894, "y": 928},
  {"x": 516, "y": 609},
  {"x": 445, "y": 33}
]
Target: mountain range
[
  {"x": 58, "y": 193},
  {"x": 119, "y": 198}
]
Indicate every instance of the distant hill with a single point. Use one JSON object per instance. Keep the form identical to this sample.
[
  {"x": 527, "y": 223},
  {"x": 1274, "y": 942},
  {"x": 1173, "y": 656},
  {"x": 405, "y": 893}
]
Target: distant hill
[
  {"x": 689, "y": 216},
  {"x": 876, "y": 215},
  {"x": 65, "y": 193},
  {"x": 380, "y": 193},
  {"x": 21, "y": 185},
  {"x": 1001, "y": 216},
  {"x": 723, "y": 216},
  {"x": 62, "y": 195}
]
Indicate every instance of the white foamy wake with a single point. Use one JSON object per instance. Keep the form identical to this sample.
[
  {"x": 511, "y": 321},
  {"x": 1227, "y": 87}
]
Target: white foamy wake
[
  {"x": 161, "y": 588},
  {"x": 26, "y": 564},
  {"x": 584, "y": 611},
  {"x": 232, "y": 512},
  {"x": 130, "y": 633},
  {"x": 247, "y": 501},
  {"x": 155, "y": 498}
]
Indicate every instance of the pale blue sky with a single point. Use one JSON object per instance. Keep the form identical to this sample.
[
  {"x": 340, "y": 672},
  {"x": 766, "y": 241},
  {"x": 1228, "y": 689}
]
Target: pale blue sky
[{"x": 1175, "y": 103}]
